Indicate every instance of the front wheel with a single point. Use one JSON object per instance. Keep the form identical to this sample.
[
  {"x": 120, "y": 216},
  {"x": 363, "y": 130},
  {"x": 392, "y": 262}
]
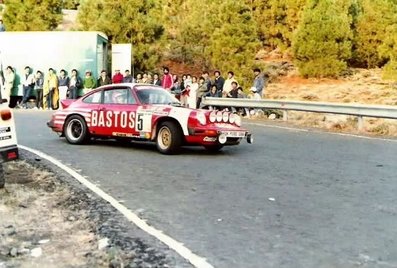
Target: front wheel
[
  {"x": 169, "y": 138},
  {"x": 76, "y": 130}
]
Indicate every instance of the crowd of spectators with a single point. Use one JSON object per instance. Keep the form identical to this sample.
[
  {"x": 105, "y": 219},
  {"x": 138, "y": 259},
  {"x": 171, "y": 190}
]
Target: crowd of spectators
[{"x": 48, "y": 89}]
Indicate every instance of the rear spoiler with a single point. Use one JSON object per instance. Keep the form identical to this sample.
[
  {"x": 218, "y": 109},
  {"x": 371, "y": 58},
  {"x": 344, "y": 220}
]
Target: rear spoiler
[{"x": 66, "y": 103}]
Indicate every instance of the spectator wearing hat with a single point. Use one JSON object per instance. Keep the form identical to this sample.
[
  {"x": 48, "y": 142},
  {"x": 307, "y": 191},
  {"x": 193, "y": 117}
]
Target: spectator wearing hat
[
  {"x": 254, "y": 94},
  {"x": 103, "y": 79},
  {"x": 117, "y": 77},
  {"x": 259, "y": 82},
  {"x": 88, "y": 83}
]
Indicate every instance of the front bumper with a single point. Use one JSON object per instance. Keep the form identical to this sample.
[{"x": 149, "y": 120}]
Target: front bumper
[
  {"x": 9, "y": 153},
  {"x": 218, "y": 136}
]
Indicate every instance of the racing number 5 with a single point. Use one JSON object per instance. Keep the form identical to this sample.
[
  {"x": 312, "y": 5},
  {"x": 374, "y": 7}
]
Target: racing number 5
[{"x": 139, "y": 122}]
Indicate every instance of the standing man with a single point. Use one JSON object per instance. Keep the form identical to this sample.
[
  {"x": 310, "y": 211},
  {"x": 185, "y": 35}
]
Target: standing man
[
  {"x": 207, "y": 80},
  {"x": 38, "y": 87},
  {"x": 75, "y": 84},
  {"x": 167, "y": 81},
  {"x": 63, "y": 84},
  {"x": 117, "y": 77},
  {"x": 88, "y": 83},
  {"x": 156, "y": 80},
  {"x": 27, "y": 84},
  {"x": 219, "y": 81},
  {"x": 128, "y": 77},
  {"x": 50, "y": 91},
  {"x": 227, "y": 86},
  {"x": 103, "y": 79},
  {"x": 9, "y": 80},
  {"x": 259, "y": 82}
]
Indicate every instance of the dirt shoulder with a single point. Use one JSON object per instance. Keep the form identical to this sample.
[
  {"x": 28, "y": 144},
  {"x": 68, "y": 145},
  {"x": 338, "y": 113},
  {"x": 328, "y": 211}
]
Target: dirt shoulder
[{"x": 47, "y": 220}]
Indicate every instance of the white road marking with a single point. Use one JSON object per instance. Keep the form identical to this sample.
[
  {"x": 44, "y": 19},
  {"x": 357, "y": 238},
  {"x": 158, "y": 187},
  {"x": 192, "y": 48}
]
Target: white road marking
[
  {"x": 315, "y": 131},
  {"x": 186, "y": 253}
]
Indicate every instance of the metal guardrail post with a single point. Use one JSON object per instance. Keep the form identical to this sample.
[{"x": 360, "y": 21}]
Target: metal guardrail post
[
  {"x": 285, "y": 115},
  {"x": 360, "y": 123}
]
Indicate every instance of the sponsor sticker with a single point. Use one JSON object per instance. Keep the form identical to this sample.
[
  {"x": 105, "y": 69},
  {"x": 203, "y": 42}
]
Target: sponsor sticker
[
  {"x": 210, "y": 139},
  {"x": 5, "y": 138},
  {"x": 5, "y": 129}
]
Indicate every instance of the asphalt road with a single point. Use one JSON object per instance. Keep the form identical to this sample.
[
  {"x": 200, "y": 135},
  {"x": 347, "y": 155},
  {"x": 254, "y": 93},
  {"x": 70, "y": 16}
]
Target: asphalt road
[{"x": 335, "y": 202}]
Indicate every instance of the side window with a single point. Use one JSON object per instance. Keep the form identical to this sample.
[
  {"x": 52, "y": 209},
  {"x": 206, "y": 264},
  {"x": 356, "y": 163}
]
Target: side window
[
  {"x": 94, "y": 98},
  {"x": 118, "y": 96}
]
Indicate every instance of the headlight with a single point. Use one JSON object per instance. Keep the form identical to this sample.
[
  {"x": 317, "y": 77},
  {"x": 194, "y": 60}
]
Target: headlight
[
  {"x": 225, "y": 117},
  {"x": 213, "y": 116},
  {"x": 238, "y": 120},
  {"x": 232, "y": 118},
  {"x": 201, "y": 118},
  {"x": 219, "y": 116}
]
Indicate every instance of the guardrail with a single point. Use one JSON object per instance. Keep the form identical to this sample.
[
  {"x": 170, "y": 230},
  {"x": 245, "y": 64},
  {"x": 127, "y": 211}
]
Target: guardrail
[{"x": 359, "y": 110}]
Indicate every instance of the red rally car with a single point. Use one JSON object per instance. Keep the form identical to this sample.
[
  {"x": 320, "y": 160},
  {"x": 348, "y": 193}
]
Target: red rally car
[{"x": 148, "y": 113}]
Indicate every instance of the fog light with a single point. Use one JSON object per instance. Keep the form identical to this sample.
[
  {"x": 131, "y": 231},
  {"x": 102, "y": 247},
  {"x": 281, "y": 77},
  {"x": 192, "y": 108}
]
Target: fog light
[
  {"x": 238, "y": 120},
  {"x": 222, "y": 139},
  {"x": 213, "y": 116},
  {"x": 225, "y": 117},
  {"x": 232, "y": 118},
  {"x": 219, "y": 116}
]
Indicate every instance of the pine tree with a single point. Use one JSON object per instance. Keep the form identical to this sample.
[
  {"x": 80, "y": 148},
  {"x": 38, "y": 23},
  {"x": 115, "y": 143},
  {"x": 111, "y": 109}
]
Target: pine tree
[
  {"x": 127, "y": 21},
  {"x": 389, "y": 50},
  {"x": 372, "y": 21},
  {"x": 277, "y": 20},
  {"x": 233, "y": 40},
  {"x": 322, "y": 43},
  {"x": 32, "y": 15}
]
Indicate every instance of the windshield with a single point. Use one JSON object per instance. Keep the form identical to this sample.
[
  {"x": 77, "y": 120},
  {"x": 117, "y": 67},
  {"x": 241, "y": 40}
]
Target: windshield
[{"x": 156, "y": 96}]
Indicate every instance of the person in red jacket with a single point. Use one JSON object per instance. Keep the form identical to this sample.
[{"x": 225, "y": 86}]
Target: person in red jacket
[
  {"x": 117, "y": 77},
  {"x": 167, "y": 81}
]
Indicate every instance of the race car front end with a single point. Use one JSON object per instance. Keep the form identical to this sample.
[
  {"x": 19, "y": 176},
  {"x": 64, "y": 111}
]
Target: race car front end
[
  {"x": 8, "y": 137},
  {"x": 216, "y": 128}
]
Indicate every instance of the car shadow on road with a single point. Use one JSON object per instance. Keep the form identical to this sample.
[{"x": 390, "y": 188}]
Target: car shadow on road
[{"x": 151, "y": 147}]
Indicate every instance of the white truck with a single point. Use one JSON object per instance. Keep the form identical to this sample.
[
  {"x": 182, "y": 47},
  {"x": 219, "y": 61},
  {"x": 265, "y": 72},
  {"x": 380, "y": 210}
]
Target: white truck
[{"x": 8, "y": 138}]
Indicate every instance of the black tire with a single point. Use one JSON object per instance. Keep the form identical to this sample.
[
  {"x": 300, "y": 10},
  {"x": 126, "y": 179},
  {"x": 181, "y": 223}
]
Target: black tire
[
  {"x": 169, "y": 138},
  {"x": 213, "y": 148},
  {"x": 75, "y": 130},
  {"x": 2, "y": 178}
]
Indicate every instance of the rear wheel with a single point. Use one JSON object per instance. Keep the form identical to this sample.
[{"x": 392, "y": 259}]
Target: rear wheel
[
  {"x": 76, "y": 131},
  {"x": 213, "y": 148},
  {"x": 169, "y": 138}
]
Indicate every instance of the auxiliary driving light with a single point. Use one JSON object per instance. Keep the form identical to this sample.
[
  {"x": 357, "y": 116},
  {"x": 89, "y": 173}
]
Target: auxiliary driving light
[
  {"x": 232, "y": 118},
  {"x": 238, "y": 120},
  {"x": 213, "y": 116},
  {"x": 219, "y": 116},
  {"x": 225, "y": 117}
]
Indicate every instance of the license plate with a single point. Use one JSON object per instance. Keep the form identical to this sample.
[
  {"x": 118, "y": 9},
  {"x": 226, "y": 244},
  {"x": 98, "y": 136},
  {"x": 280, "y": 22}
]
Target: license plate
[{"x": 234, "y": 134}]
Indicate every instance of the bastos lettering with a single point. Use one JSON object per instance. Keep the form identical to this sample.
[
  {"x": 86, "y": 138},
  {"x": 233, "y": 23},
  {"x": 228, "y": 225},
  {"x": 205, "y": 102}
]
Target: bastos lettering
[{"x": 113, "y": 119}]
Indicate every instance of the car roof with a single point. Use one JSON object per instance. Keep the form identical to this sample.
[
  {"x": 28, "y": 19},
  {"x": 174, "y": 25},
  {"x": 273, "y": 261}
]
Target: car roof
[{"x": 140, "y": 86}]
